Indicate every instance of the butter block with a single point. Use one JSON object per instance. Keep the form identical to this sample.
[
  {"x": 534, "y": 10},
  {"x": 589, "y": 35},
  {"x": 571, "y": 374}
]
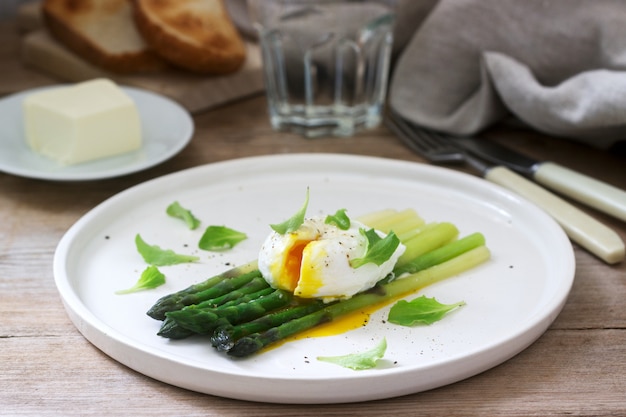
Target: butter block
[{"x": 82, "y": 122}]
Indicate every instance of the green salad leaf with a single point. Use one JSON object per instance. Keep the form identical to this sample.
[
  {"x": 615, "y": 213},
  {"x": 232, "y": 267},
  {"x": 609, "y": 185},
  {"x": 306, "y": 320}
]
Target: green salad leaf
[
  {"x": 421, "y": 310},
  {"x": 294, "y": 221},
  {"x": 179, "y": 212},
  {"x": 150, "y": 278},
  {"x": 216, "y": 238},
  {"x": 154, "y": 255},
  {"x": 379, "y": 250},
  {"x": 339, "y": 219},
  {"x": 359, "y": 361}
]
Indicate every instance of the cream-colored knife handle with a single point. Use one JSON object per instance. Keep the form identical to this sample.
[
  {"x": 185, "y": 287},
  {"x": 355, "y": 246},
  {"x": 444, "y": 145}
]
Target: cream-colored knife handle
[
  {"x": 579, "y": 226},
  {"x": 594, "y": 193}
]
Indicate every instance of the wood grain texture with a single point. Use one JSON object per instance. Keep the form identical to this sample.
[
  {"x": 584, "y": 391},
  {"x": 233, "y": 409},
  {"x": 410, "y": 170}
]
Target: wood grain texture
[{"x": 577, "y": 368}]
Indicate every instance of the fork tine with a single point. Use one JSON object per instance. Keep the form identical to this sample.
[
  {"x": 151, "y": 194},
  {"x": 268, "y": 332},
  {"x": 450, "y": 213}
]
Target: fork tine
[
  {"x": 429, "y": 144},
  {"x": 394, "y": 123}
]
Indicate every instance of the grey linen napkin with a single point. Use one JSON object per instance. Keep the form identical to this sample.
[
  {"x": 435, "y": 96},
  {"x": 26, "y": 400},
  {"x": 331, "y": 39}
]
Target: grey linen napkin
[{"x": 559, "y": 66}]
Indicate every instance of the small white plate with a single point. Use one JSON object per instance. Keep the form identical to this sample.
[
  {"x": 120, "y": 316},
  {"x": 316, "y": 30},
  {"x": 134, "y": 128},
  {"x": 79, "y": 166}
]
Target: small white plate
[
  {"x": 167, "y": 128},
  {"x": 511, "y": 300}
]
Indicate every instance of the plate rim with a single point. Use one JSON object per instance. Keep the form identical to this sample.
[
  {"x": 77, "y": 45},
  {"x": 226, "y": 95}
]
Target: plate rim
[
  {"x": 99, "y": 336},
  {"x": 180, "y": 112}
]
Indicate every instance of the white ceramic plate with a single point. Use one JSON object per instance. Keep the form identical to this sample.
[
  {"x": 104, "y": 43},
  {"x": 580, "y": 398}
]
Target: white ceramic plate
[
  {"x": 167, "y": 129},
  {"x": 511, "y": 300}
]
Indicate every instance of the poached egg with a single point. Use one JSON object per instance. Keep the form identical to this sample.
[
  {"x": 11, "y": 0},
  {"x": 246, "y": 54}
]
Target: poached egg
[{"x": 313, "y": 261}]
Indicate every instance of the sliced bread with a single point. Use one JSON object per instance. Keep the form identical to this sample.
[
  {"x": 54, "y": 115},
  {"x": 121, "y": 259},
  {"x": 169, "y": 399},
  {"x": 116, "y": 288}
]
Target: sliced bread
[
  {"x": 102, "y": 32},
  {"x": 197, "y": 35}
]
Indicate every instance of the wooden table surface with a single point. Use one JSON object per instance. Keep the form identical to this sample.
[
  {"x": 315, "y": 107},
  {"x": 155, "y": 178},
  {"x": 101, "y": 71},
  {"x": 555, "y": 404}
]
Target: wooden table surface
[{"x": 578, "y": 367}]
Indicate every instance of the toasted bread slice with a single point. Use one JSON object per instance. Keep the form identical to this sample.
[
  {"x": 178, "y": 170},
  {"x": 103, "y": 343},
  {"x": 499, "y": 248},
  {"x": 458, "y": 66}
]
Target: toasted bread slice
[
  {"x": 197, "y": 35},
  {"x": 101, "y": 32}
]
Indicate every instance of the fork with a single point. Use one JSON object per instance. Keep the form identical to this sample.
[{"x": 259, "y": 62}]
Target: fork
[
  {"x": 580, "y": 227},
  {"x": 433, "y": 146}
]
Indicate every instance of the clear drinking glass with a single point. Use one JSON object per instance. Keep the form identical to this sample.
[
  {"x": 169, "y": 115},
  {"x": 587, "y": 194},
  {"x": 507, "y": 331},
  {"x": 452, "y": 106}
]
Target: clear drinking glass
[{"x": 325, "y": 62}]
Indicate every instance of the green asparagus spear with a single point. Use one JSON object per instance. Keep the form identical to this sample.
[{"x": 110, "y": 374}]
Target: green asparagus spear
[
  {"x": 171, "y": 329},
  {"x": 441, "y": 254},
  {"x": 224, "y": 337},
  {"x": 251, "y": 344},
  {"x": 206, "y": 320},
  {"x": 257, "y": 284},
  {"x": 244, "y": 299},
  {"x": 431, "y": 237},
  {"x": 211, "y": 288}
]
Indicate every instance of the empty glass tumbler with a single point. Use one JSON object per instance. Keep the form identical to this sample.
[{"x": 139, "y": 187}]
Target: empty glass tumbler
[{"x": 325, "y": 62}]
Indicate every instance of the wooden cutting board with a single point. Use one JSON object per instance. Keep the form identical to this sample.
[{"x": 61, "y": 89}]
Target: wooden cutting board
[{"x": 194, "y": 92}]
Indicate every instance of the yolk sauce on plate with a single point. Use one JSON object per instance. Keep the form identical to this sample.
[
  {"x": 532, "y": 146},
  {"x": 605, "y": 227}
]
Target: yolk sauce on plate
[{"x": 339, "y": 325}]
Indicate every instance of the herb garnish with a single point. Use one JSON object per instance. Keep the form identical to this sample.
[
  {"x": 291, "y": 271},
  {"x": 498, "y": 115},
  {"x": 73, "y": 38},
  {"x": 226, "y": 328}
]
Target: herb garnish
[
  {"x": 154, "y": 255},
  {"x": 217, "y": 238},
  {"x": 179, "y": 212},
  {"x": 295, "y": 221},
  {"x": 379, "y": 250},
  {"x": 359, "y": 361},
  {"x": 421, "y": 310},
  {"x": 150, "y": 278},
  {"x": 339, "y": 219}
]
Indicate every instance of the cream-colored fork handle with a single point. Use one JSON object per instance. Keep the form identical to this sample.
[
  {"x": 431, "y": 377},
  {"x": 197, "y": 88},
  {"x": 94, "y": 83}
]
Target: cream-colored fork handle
[
  {"x": 594, "y": 193},
  {"x": 579, "y": 226}
]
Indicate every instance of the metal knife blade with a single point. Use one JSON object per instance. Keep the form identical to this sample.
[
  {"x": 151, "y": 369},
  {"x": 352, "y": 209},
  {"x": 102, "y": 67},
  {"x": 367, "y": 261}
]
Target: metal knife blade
[{"x": 580, "y": 187}]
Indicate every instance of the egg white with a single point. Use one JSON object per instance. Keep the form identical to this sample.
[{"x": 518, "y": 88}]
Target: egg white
[{"x": 314, "y": 261}]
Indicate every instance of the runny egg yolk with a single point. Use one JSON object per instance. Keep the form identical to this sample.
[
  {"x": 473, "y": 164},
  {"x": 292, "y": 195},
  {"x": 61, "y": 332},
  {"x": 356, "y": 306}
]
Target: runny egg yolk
[
  {"x": 291, "y": 268},
  {"x": 314, "y": 261}
]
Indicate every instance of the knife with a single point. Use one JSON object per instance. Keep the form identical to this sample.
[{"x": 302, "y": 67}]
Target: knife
[
  {"x": 582, "y": 188},
  {"x": 581, "y": 228}
]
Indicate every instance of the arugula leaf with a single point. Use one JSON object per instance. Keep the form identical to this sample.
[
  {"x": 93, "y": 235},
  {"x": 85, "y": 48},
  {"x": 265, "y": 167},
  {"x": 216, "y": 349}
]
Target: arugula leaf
[
  {"x": 150, "y": 278},
  {"x": 216, "y": 238},
  {"x": 339, "y": 219},
  {"x": 421, "y": 310},
  {"x": 358, "y": 361},
  {"x": 378, "y": 250},
  {"x": 294, "y": 221},
  {"x": 154, "y": 255},
  {"x": 179, "y": 212}
]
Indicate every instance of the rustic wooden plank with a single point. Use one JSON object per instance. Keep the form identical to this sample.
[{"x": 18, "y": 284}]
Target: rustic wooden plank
[{"x": 65, "y": 375}]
